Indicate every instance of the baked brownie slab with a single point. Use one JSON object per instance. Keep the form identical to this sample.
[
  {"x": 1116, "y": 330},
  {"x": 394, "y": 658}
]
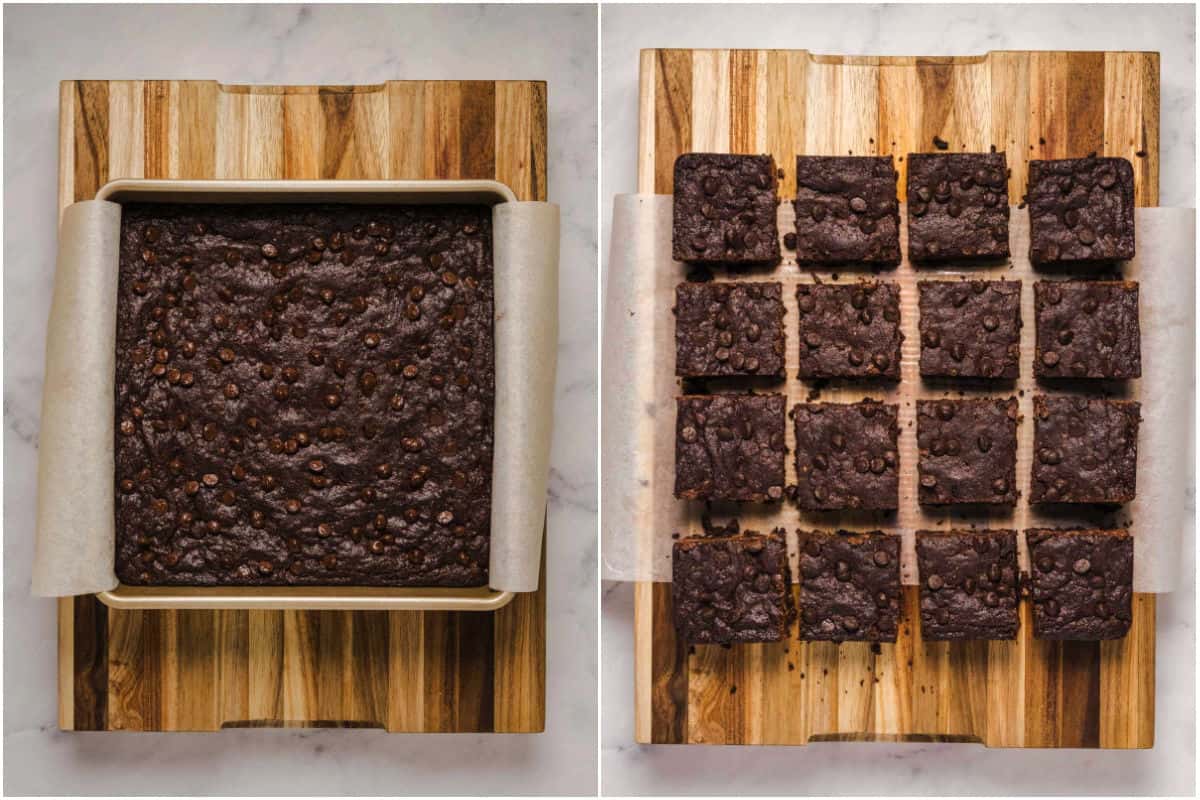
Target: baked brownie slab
[
  {"x": 968, "y": 584},
  {"x": 1087, "y": 329},
  {"x": 730, "y": 447},
  {"x": 846, "y": 455},
  {"x": 846, "y": 211},
  {"x": 1081, "y": 583},
  {"x": 304, "y": 395},
  {"x": 724, "y": 329},
  {"x": 732, "y": 588},
  {"x": 957, "y": 206},
  {"x": 1080, "y": 210},
  {"x": 1084, "y": 450},
  {"x": 970, "y": 329},
  {"x": 967, "y": 451},
  {"x": 849, "y": 330},
  {"x": 849, "y": 586},
  {"x": 725, "y": 209}
]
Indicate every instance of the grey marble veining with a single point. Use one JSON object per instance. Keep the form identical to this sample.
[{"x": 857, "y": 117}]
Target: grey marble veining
[
  {"x": 902, "y": 769},
  {"x": 300, "y": 45}
]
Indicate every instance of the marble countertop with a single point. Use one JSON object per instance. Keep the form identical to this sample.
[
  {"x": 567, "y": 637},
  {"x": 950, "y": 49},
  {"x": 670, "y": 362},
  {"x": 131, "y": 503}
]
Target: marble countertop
[
  {"x": 299, "y": 45},
  {"x": 902, "y": 769}
]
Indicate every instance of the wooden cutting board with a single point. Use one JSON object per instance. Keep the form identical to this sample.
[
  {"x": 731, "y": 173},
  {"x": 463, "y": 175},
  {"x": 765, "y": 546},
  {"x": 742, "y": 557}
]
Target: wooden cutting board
[
  {"x": 204, "y": 670},
  {"x": 1025, "y": 693}
]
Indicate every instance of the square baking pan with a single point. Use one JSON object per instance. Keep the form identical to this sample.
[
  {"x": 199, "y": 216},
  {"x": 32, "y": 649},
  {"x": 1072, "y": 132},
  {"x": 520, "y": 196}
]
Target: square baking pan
[{"x": 347, "y": 598}]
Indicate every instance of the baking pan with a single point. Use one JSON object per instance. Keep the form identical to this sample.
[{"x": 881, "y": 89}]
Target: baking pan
[{"x": 483, "y": 598}]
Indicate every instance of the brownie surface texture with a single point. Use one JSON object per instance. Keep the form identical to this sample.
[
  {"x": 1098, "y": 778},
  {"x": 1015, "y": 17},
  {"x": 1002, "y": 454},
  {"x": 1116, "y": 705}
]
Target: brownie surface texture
[
  {"x": 849, "y": 330},
  {"x": 957, "y": 206},
  {"x": 730, "y": 447},
  {"x": 970, "y": 329},
  {"x": 304, "y": 395},
  {"x": 846, "y": 210},
  {"x": 968, "y": 584},
  {"x": 846, "y": 455},
  {"x": 1080, "y": 210},
  {"x": 1081, "y": 583},
  {"x": 726, "y": 328},
  {"x": 732, "y": 588},
  {"x": 1087, "y": 329},
  {"x": 725, "y": 209},
  {"x": 849, "y": 586},
  {"x": 1084, "y": 450},
  {"x": 967, "y": 451}
]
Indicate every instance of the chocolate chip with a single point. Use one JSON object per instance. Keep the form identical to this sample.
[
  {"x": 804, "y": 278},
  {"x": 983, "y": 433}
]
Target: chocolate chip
[
  {"x": 935, "y": 582},
  {"x": 882, "y": 558}
]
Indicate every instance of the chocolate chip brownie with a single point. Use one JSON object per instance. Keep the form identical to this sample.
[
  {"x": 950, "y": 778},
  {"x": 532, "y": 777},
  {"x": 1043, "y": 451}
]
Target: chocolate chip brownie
[
  {"x": 1080, "y": 210},
  {"x": 304, "y": 395},
  {"x": 1081, "y": 583},
  {"x": 726, "y": 328},
  {"x": 970, "y": 329},
  {"x": 728, "y": 589},
  {"x": 968, "y": 584},
  {"x": 849, "y": 586},
  {"x": 957, "y": 206},
  {"x": 849, "y": 330},
  {"x": 730, "y": 447},
  {"x": 967, "y": 451},
  {"x": 846, "y": 455},
  {"x": 1084, "y": 450},
  {"x": 846, "y": 211},
  {"x": 1087, "y": 329},
  {"x": 725, "y": 209}
]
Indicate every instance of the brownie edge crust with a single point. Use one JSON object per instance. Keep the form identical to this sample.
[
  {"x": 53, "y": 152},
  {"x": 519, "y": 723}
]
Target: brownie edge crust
[{"x": 304, "y": 395}]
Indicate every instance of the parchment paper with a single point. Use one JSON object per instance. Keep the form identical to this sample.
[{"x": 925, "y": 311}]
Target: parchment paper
[
  {"x": 75, "y": 546},
  {"x": 640, "y": 513}
]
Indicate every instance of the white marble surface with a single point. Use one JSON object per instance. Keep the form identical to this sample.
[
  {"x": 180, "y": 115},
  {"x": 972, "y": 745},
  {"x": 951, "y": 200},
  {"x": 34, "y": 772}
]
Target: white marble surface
[
  {"x": 905, "y": 769},
  {"x": 298, "y": 45}
]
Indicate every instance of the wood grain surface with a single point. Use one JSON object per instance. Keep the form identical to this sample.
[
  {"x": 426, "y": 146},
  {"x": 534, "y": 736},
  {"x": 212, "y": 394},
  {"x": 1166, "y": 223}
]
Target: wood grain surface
[
  {"x": 1025, "y": 693},
  {"x": 204, "y": 670}
]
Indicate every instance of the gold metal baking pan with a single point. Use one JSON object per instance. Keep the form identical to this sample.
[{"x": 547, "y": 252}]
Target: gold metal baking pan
[{"x": 296, "y": 598}]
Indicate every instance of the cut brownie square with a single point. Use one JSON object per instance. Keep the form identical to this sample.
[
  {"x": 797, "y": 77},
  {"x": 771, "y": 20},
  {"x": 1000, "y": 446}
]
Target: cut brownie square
[
  {"x": 849, "y": 586},
  {"x": 970, "y": 329},
  {"x": 730, "y": 447},
  {"x": 732, "y": 588},
  {"x": 1080, "y": 210},
  {"x": 1087, "y": 329},
  {"x": 726, "y": 329},
  {"x": 725, "y": 209},
  {"x": 1081, "y": 583},
  {"x": 1085, "y": 450},
  {"x": 846, "y": 455},
  {"x": 846, "y": 211},
  {"x": 967, "y": 451},
  {"x": 968, "y": 584},
  {"x": 849, "y": 330},
  {"x": 957, "y": 206}
]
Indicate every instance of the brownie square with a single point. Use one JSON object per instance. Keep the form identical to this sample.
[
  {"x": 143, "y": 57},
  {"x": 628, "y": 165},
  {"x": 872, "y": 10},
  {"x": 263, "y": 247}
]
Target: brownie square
[
  {"x": 304, "y": 395},
  {"x": 957, "y": 206},
  {"x": 970, "y": 329},
  {"x": 732, "y": 588},
  {"x": 846, "y": 455},
  {"x": 730, "y": 447},
  {"x": 725, "y": 209},
  {"x": 1084, "y": 450},
  {"x": 846, "y": 211},
  {"x": 967, "y": 451},
  {"x": 849, "y": 330},
  {"x": 1081, "y": 583},
  {"x": 849, "y": 586},
  {"x": 968, "y": 584},
  {"x": 724, "y": 329},
  {"x": 1080, "y": 210},
  {"x": 1087, "y": 329}
]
